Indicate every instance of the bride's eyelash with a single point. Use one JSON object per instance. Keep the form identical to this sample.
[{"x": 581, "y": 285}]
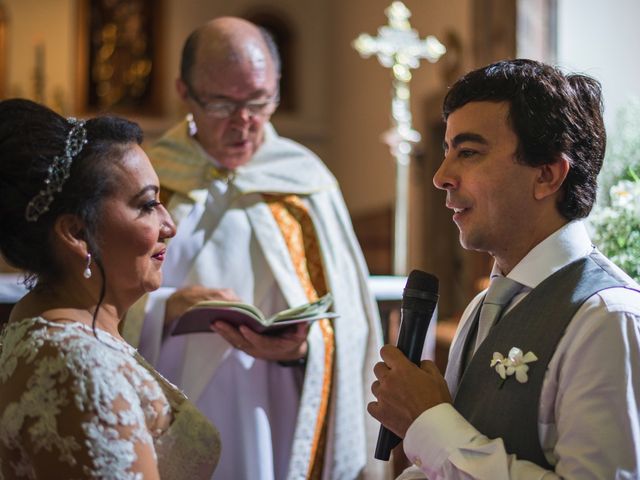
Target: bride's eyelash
[{"x": 150, "y": 206}]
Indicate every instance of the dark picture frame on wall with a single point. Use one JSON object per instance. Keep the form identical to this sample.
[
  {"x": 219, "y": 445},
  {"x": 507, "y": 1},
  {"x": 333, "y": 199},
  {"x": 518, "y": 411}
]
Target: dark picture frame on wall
[
  {"x": 119, "y": 56},
  {"x": 281, "y": 29}
]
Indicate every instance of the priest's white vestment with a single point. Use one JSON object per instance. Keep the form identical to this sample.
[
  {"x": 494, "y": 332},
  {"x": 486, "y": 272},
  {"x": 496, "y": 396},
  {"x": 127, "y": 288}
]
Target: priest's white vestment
[{"x": 228, "y": 238}]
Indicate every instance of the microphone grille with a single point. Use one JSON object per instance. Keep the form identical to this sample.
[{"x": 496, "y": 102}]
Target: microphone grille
[
  {"x": 420, "y": 292},
  {"x": 423, "y": 281}
]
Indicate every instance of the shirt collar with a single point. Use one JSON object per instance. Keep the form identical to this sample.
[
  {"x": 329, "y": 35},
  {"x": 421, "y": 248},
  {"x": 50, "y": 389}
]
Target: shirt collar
[{"x": 565, "y": 245}]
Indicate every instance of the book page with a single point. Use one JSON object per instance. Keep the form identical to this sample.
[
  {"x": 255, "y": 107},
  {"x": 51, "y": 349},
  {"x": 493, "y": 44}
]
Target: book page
[
  {"x": 221, "y": 304},
  {"x": 307, "y": 310}
]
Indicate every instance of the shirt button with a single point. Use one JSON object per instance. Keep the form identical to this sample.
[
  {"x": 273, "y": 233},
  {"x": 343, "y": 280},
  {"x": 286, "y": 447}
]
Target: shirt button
[{"x": 417, "y": 462}]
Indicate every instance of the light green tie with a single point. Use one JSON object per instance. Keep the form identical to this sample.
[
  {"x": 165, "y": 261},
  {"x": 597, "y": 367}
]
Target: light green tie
[{"x": 501, "y": 291}]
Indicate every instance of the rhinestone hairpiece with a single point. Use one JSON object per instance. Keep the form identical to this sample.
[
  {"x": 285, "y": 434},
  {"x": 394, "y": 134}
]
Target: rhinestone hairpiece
[{"x": 58, "y": 171}]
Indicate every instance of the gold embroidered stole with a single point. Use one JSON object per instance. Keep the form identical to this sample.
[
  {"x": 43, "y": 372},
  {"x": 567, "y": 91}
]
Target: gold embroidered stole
[{"x": 299, "y": 234}]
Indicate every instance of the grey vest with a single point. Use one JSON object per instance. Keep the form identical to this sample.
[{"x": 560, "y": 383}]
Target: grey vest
[{"x": 509, "y": 409}]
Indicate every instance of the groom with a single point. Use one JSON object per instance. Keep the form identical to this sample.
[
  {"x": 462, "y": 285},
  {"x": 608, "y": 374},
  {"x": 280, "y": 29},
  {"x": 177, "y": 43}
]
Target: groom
[{"x": 544, "y": 372}]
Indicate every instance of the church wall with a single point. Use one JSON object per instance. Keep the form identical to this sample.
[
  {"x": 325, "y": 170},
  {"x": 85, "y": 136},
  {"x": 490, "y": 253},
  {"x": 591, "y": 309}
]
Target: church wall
[
  {"x": 602, "y": 39},
  {"x": 360, "y": 90},
  {"x": 50, "y": 31}
]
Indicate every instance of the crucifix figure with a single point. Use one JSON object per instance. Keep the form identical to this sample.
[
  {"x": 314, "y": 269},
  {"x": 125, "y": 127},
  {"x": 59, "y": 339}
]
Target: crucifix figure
[{"x": 399, "y": 48}]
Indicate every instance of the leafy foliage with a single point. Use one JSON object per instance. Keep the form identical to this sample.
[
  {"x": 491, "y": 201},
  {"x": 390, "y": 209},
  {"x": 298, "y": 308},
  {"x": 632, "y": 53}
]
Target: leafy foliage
[{"x": 615, "y": 221}]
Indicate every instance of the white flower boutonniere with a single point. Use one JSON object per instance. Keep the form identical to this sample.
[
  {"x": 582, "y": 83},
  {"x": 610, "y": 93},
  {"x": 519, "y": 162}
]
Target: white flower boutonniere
[{"x": 515, "y": 362}]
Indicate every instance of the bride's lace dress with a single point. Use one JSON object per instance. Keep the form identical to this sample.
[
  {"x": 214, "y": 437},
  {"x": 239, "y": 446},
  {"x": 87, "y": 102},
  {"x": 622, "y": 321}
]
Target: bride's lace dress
[{"x": 76, "y": 406}]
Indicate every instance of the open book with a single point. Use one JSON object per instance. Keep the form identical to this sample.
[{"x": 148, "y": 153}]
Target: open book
[{"x": 200, "y": 316}]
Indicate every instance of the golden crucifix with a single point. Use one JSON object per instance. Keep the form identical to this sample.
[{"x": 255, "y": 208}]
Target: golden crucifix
[{"x": 399, "y": 48}]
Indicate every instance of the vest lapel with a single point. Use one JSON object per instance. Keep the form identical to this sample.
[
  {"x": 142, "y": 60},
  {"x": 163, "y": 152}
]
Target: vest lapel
[{"x": 457, "y": 356}]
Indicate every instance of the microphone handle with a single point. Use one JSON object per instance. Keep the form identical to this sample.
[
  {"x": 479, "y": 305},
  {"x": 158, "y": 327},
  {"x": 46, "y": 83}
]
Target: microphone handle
[
  {"x": 413, "y": 330},
  {"x": 387, "y": 441}
]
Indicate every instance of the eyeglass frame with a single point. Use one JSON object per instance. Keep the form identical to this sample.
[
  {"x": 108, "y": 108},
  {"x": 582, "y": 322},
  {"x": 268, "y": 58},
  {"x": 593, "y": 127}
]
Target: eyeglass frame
[{"x": 273, "y": 100}]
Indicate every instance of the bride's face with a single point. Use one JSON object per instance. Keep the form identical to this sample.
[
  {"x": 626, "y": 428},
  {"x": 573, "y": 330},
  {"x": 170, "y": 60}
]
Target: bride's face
[{"x": 133, "y": 229}]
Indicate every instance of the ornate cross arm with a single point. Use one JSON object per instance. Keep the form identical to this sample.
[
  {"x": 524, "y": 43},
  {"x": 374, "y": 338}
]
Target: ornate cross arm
[{"x": 400, "y": 48}]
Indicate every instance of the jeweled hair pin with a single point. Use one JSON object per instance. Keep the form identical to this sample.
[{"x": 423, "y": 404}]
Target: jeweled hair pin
[{"x": 58, "y": 171}]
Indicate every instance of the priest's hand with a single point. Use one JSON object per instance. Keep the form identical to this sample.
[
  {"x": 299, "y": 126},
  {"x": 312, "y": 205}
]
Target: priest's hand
[
  {"x": 287, "y": 346},
  {"x": 403, "y": 391},
  {"x": 184, "y": 298}
]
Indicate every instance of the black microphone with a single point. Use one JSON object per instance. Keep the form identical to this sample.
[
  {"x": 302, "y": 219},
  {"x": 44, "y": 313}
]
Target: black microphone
[{"x": 419, "y": 300}]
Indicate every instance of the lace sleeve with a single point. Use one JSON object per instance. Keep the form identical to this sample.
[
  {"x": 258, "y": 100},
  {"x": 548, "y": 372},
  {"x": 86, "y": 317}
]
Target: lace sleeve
[
  {"x": 83, "y": 411},
  {"x": 93, "y": 445}
]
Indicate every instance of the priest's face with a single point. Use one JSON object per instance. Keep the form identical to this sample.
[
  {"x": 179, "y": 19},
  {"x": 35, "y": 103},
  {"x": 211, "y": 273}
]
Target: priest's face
[{"x": 231, "y": 101}]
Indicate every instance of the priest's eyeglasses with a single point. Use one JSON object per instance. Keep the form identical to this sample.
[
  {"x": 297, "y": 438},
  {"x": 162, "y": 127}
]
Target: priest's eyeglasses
[{"x": 226, "y": 108}]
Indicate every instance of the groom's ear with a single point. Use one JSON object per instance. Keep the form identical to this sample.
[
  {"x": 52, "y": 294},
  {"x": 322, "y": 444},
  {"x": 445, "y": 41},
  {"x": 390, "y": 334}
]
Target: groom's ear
[{"x": 551, "y": 177}]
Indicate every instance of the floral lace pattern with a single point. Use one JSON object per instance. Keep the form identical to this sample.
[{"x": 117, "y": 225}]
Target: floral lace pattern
[{"x": 85, "y": 407}]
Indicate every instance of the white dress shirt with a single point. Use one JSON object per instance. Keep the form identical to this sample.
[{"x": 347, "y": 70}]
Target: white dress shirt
[{"x": 589, "y": 412}]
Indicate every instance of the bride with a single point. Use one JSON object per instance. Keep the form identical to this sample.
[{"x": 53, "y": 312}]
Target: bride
[{"x": 79, "y": 212}]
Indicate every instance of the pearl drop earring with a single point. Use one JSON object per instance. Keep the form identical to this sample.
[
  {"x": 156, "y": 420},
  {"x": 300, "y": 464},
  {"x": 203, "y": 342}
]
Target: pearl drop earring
[
  {"x": 87, "y": 270},
  {"x": 191, "y": 125}
]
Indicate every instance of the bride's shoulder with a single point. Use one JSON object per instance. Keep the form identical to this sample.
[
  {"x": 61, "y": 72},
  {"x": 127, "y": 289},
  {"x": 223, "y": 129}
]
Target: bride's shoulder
[{"x": 62, "y": 346}]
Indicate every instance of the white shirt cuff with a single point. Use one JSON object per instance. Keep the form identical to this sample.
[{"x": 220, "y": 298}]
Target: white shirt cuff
[{"x": 434, "y": 435}]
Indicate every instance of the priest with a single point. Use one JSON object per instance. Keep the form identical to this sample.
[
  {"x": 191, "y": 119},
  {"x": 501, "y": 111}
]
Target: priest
[{"x": 260, "y": 218}]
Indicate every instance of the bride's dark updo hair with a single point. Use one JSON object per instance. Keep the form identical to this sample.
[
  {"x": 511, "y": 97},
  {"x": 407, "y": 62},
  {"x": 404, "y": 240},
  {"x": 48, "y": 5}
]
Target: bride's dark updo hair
[{"x": 31, "y": 135}]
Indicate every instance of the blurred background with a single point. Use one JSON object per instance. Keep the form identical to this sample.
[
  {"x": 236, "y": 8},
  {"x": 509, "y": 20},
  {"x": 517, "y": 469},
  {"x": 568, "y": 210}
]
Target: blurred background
[{"x": 83, "y": 57}]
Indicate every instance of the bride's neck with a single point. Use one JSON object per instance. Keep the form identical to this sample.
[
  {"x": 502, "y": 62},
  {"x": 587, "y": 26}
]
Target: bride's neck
[{"x": 70, "y": 301}]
